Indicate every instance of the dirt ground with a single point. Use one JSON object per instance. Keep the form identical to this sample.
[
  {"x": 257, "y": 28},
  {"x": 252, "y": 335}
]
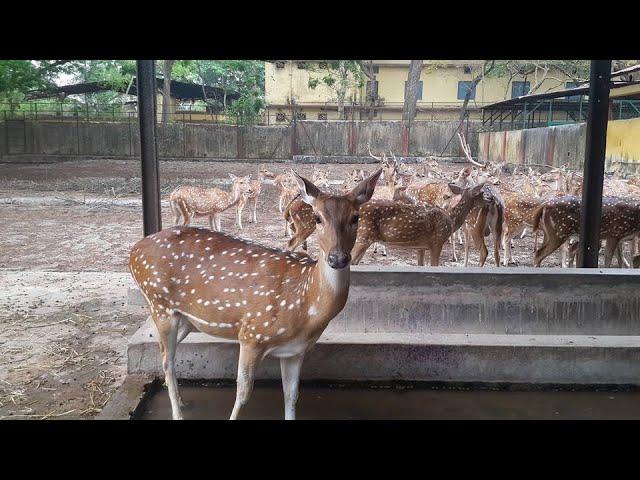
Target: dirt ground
[{"x": 67, "y": 230}]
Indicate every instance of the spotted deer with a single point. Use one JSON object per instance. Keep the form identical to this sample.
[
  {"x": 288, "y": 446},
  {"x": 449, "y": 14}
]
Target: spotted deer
[
  {"x": 298, "y": 215},
  {"x": 559, "y": 220},
  {"x": 518, "y": 215},
  {"x": 287, "y": 189},
  {"x": 486, "y": 218},
  {"x": 191, "y": 202},
  {"x": 354, "y": 177},
  {"x": 415, "y": 226},
  {"x": 252, "y": 198},
  {"x": 272, "y": 302}
]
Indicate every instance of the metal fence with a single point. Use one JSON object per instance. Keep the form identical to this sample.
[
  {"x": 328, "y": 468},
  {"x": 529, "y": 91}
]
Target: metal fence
[{"x": 271, "y": 115}]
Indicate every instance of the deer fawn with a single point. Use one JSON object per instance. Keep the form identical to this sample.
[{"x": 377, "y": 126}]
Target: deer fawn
[
  {"x": 416, "y": 226},
  {"x": 252, "y": 197},
  {"x": 187, "y": 202},
  {"x": 272, "y": 302}
]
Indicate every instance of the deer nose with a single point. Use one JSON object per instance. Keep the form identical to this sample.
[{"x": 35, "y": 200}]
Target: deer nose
[{"x": 338, "y": 259}]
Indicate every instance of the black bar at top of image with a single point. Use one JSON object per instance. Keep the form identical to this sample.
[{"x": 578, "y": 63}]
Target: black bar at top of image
[{"x": 146, "y": 85}]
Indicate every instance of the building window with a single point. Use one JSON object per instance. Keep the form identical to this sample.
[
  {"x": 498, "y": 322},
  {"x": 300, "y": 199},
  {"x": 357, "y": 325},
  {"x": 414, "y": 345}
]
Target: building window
[
  {"x": 280, "y": 64},
  {"x": 280, "y": 117},
  {"x": 322, "y": 116},
  {"x": 467, "y": 69},
  {"x": 322, "y": 65},
  {"x": 463, "y": 88},
  {"x": 302, "y": 65},
  {"x": 519, "y": 89},
  {"x": 572, "y": 98},
  {"x": 419, "y": 96}
]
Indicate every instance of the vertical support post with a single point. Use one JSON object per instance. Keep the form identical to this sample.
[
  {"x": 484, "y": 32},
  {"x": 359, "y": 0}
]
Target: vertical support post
[
  {"x": 593, "y": 175},
  {"x": 146, "y": 87},
  {"x": 580, "y": 114}
]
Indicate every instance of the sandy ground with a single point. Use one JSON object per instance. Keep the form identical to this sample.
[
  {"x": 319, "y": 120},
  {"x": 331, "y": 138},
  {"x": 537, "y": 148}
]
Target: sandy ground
[{"x": 67, "y": 230}]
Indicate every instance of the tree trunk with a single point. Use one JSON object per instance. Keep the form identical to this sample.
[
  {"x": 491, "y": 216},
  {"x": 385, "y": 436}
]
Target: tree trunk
[
  {"x": 341, "y": 106},
  {"x": 166, "y": 90},
  {"x": 475, "y": 82},
  {"x": 411, "y": 92}
]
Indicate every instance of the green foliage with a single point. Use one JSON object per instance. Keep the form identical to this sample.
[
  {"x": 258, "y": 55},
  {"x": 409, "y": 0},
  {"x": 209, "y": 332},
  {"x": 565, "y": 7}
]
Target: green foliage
[
  {"x": 19, "y": 76},
  {"x": 245, "y": 77},
  {"x": 339, "y": 75}
]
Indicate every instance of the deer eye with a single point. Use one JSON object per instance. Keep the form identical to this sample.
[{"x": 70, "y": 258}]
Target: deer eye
[
  {"x": 355, "y": 219},
  {"x": 317, "y": 218}
]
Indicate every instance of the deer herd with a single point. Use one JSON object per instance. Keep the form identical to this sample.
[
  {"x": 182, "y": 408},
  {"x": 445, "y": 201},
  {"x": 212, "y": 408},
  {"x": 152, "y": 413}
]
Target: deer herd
[
  {"x": 419, "y": 207},
  {"x": 278, "y": 302}
]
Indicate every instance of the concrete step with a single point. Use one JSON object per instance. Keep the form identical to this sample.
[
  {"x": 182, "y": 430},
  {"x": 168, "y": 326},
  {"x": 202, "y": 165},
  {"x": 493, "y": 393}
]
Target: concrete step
[{"x": 561, "y": 359}]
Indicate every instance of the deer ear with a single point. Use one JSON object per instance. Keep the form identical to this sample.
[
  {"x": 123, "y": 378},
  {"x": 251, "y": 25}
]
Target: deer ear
[
  {"x": 363, "y": 192},
  {"x": 455, "y": 189},
  {"x": 309, "y": 193}
]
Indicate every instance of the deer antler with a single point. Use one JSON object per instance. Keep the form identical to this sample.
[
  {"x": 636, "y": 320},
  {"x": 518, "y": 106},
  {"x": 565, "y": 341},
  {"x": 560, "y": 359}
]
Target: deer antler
[
  {"x": 372, "y": 155},
  {"x": 467, "y": 151}
]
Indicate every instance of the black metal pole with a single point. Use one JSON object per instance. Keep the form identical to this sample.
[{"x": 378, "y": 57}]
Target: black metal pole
[
  {"x": 593, "y": 175},
  {"x": 146, "y": 87}
]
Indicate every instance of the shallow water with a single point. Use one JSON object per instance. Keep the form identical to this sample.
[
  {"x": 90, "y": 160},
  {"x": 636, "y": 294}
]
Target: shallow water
[{"x": 391, "y": 403}]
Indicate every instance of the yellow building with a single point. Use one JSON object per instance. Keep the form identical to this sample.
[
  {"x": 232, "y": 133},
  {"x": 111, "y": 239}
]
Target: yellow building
[{"x": 443, "y": 84}]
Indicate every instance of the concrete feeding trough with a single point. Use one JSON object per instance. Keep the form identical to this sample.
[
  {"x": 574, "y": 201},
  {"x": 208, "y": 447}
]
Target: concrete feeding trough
[{"x": 468, "y": 326}]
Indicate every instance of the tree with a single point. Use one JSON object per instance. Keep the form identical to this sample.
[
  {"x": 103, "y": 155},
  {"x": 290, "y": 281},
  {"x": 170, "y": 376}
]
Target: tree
[
  {"x": 340, "y": 76},
  {"x": 242, "y": 77},
  {"x": 167, "y": 66},
  {"x": 538, "y": 71},
  {"x": 371, "y": 95},
  {"x": 411, "y": 90},
  {"x": 486, "y": 69},
  {"x": 17, "y": 77}
]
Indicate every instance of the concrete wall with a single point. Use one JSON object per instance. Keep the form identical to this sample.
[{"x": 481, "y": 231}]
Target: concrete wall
[
  {"x": 518, "y": 301},
  {"x": 220, "y": 141},
  {"x": 563, "y": 144},
  {"x": 521, "y": 325}
]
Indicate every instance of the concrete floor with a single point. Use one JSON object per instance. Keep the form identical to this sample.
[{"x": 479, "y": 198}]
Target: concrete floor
[{"x": 362, "y": 403}]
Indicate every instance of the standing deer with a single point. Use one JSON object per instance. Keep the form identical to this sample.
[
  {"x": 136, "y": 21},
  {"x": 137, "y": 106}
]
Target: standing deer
[
  {"x": 252, "y": 198},
  {"x": 416, "y": 226},
  {"x": 559, "y": 220},
  {"x": 518, "y": 215},
  {"x": 272, "y": 302},
  {"x": 187, "y": 202}
]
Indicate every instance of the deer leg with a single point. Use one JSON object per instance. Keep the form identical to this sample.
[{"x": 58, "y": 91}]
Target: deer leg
[
  {"x": 211, "y": 222},
  {"x": 176, "y": 212},
  {"x": 421, "y": 257},
  {"x": 434, "y": 257},
  {"x": 477, "y": 233},
  {"x": 168, "y": 334},
  {"x": 255, "y": 208},
  {"x": 622, "y": 260},
  {"x": 466, "y": 246},
  {"x": 550, "y": 244},
  {"x": 453, "y": 246},
  {"x": 247, "y": 363},
  {"x": 290, "y": 368},
  {"x": 217, "y": 222},
  {"x": 358, "y": 252},
  {"x": 239, "y": 216},
  {"x": 610, "y": 247}
]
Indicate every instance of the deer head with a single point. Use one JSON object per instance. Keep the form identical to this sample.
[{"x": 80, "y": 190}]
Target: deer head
[
  {"x": 337, "y": 217},
  {"x": 241, "y": 186}
]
